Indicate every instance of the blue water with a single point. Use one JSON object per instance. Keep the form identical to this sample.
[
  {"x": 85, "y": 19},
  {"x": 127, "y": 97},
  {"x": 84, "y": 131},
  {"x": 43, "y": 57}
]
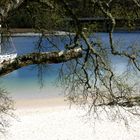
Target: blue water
[{"x": 25, "y": 82}]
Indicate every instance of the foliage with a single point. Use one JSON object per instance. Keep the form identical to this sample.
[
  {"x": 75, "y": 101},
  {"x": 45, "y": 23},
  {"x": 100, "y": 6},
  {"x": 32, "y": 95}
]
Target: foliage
[{"x": 36, "y": 13}]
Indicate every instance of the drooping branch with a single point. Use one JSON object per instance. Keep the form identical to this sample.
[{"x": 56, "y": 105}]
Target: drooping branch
[
  {"x": 114, "y": 51},
  {"x": 6, "y": 110},
  {"x": 137, "y": 3},
  {"x": 39, "y": 58}
]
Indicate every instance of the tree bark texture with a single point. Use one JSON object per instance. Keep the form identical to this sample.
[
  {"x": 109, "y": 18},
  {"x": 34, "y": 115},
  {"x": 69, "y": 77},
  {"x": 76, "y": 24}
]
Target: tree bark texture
[{"x": 39, "y": 58}]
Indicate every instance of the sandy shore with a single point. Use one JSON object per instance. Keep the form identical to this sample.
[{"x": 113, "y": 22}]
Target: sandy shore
[
  {"x": 52, "y": 119},
  {"x": 40, "y": 103}
]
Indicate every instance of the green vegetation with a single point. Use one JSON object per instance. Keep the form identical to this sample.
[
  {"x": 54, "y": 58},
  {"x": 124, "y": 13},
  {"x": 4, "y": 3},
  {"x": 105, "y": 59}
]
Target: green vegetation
[
  {"x": 40, "y": 15},
  {"x": 34, "y": 14}
]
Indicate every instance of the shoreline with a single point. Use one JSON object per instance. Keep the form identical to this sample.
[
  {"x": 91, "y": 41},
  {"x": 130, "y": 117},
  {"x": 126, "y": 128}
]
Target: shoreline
[
  {"x": 25, "y": 32},
  {"x": 64, "y": 123},
  {"x": 40, "y": 103},
  {"x": 51, "y": 119},
  {"x": 15, "y": 32}
]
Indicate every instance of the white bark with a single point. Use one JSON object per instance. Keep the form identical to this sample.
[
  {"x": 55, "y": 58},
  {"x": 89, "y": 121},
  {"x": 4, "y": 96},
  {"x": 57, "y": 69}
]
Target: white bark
[{"x": 39, "y": 58}]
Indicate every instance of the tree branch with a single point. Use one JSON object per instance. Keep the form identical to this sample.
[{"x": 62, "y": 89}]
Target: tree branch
[
  {"x": 8, "y": 6},
  {"x": 39, "y": 58}
]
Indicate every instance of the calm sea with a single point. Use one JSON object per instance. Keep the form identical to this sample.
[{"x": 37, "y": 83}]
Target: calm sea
[{"x": 27, "y": 83}]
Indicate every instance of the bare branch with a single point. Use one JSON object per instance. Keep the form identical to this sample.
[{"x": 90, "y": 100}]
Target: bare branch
[
  {"x": 38, "y": 58},
  {"x": 137, "y": 3}
]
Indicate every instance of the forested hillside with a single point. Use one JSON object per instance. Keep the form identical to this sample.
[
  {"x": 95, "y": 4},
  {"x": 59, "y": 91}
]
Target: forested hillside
[{"x": 44, "y": 14}]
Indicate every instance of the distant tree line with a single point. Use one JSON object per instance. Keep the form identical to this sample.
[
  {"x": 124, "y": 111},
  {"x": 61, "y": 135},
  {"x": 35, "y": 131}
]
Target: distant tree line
[{"x": 34, "y": 14}]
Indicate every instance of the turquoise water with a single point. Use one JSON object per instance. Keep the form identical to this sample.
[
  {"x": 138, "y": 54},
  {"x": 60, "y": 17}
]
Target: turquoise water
[{"x": 25, "y": 82}]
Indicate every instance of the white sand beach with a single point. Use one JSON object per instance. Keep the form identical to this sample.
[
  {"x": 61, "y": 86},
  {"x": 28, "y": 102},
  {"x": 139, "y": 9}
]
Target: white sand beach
[{"x": 52, "y": 119}]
